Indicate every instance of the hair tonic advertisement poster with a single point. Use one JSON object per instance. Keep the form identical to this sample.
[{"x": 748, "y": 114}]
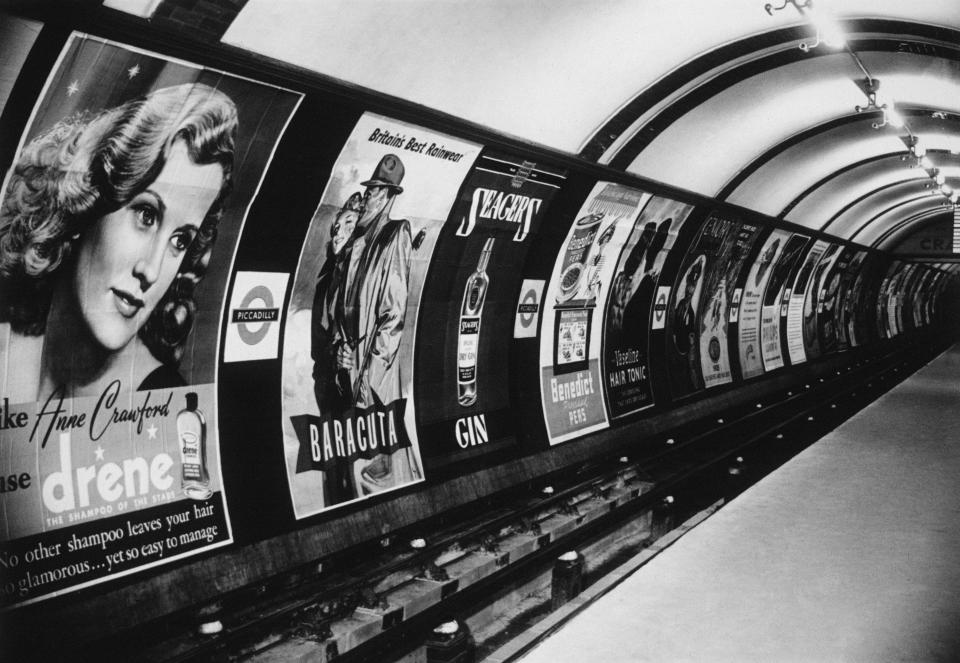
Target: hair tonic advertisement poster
[
  {"x": 627, "y": 322},
  {"x": 570, "y": 343},
  {"x": 120, "y": 215},
  {"x": 798, "y": 297},
  {"x": 349, "y": 426},
  {"x": 775, "y": 299},
  {"x": 468, "y": 305},
  {"x": 748, "y": 333}
]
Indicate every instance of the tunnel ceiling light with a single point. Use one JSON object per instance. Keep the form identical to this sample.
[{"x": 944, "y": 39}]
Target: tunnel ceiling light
[
  {"x": 919, "y": 147},
  {"x": 892, "y": 117},
  {"x": 828, "y": 31}
]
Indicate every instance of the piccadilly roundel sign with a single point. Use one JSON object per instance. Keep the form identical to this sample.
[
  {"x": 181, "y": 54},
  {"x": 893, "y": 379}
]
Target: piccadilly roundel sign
[
  {"x": 253, "y": 327},
  {"x": 528, "y": 308},
  {"x": 660, "y": 307}
]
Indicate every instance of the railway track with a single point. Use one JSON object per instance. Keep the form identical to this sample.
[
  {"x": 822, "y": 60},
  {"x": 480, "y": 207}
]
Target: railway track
[{"x": 383, "y": 599}]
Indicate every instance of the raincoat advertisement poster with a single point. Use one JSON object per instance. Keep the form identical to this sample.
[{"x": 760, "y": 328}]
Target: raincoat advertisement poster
[
  {"x": 112, "y": 288},
  {"x": 467, "y": 308},
  {"x": 570, "y": 341},
  {"x": 349, "y": 427},
  {"x": 748, "y": 332},
  {"x": 627, "y": 322}
]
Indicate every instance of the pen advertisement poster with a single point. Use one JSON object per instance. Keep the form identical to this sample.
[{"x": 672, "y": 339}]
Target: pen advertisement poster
[
  {"x": 719, "y": 296},
  {"x": 468, "y": 305},
  {"x": 120, "y": 216},
  {"x": 349, "y": 426},
  {"x": 798, "y": 296},
  {"x": 570, "y": 343},
  {"x": 813, "y": 303},
  {"x": 627, "y": 324},
  {"x": 775, "y": 302},
  {"x": 748, "y": 332}
]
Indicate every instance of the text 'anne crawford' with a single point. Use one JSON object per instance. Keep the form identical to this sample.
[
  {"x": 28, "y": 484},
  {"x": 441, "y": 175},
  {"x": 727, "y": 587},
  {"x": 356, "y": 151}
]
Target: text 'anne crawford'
[{"x": 54, "y": 417}]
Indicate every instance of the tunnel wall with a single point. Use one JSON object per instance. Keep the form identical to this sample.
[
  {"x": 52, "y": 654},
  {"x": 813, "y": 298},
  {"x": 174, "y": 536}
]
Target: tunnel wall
[{"x": 516, "y": 312}]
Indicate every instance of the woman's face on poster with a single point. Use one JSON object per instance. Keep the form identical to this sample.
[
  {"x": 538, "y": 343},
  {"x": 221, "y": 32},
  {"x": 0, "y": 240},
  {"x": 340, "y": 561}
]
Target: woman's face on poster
[
  {"x": 127, "y": 259},
  {"x": 343, "y": 228}
]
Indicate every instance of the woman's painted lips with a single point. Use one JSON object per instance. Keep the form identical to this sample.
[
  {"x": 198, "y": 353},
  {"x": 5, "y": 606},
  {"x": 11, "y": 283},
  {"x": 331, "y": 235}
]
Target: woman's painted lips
[{"x": 127, "y": 304}]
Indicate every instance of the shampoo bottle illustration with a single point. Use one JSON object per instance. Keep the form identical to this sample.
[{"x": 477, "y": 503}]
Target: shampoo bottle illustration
[{"x": 192, "y": 436}]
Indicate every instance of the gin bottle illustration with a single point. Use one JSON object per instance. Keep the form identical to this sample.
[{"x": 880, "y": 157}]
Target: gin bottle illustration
[
  {"x": 468, "y": 341},
  {"x": 192, "y": 436}
]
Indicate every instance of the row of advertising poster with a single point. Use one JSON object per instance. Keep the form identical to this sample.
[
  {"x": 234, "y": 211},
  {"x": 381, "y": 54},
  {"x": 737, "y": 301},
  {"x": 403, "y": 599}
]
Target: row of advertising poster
[{"x": 388, "y": 337}]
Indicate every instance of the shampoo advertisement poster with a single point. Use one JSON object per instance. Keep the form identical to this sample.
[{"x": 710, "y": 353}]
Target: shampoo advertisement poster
[
  {"x": 573, "y": 312},
  {"x": 110, "y": 308},
  {"x": 349, "y": 425}
]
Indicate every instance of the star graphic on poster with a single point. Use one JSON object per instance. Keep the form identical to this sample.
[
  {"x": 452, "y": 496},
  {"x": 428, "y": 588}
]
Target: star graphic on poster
[
  {"x": 99, "y": 452},
  {"x": 133, "y": 71},
  {"x": 152, "y": 432},
  {"x": 73, "y": 88}
]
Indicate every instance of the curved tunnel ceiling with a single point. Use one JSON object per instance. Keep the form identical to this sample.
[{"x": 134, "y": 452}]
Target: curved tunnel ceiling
[{"x": 713, "y": 97}]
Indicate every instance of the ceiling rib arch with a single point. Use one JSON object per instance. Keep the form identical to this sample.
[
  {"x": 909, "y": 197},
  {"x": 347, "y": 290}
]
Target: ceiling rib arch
[
  {"x": 912, "y": 224},
  {"x": 907, "y": 226},
  {"x": 855, "y": 171},
  {"x": 864, "y": 232},
  {"x": 882, "y": 36},
  {"x": 886, "y": 188}
]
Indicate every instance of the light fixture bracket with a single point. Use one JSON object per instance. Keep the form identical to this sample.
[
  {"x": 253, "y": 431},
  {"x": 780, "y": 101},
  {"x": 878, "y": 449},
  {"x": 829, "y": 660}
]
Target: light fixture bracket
[
  {"x": 800, "y": 5},
  {"x": 870, "y": 87}
]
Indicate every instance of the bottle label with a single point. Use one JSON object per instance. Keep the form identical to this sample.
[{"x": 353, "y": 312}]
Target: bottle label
[
  {"x": 190, "y": 455},
  {"x": 467, "y": 346}
]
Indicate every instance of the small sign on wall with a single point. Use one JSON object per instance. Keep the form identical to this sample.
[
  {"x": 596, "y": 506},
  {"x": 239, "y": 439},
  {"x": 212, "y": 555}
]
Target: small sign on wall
[
  {"x": 253, "y": 326},
  {"x": 528, "y": 308}
]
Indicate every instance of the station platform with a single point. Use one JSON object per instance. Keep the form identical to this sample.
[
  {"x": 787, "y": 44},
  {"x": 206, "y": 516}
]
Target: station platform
[{"x": 848, "y": 552}]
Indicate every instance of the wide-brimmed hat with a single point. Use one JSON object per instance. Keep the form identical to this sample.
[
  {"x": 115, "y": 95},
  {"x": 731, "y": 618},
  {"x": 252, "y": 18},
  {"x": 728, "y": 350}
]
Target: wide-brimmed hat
[{"x": 389, "y": 172}]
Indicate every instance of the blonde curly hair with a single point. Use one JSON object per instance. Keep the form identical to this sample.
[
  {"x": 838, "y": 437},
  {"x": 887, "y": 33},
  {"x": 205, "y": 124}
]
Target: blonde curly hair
[{"x": 90, "y": 165}]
